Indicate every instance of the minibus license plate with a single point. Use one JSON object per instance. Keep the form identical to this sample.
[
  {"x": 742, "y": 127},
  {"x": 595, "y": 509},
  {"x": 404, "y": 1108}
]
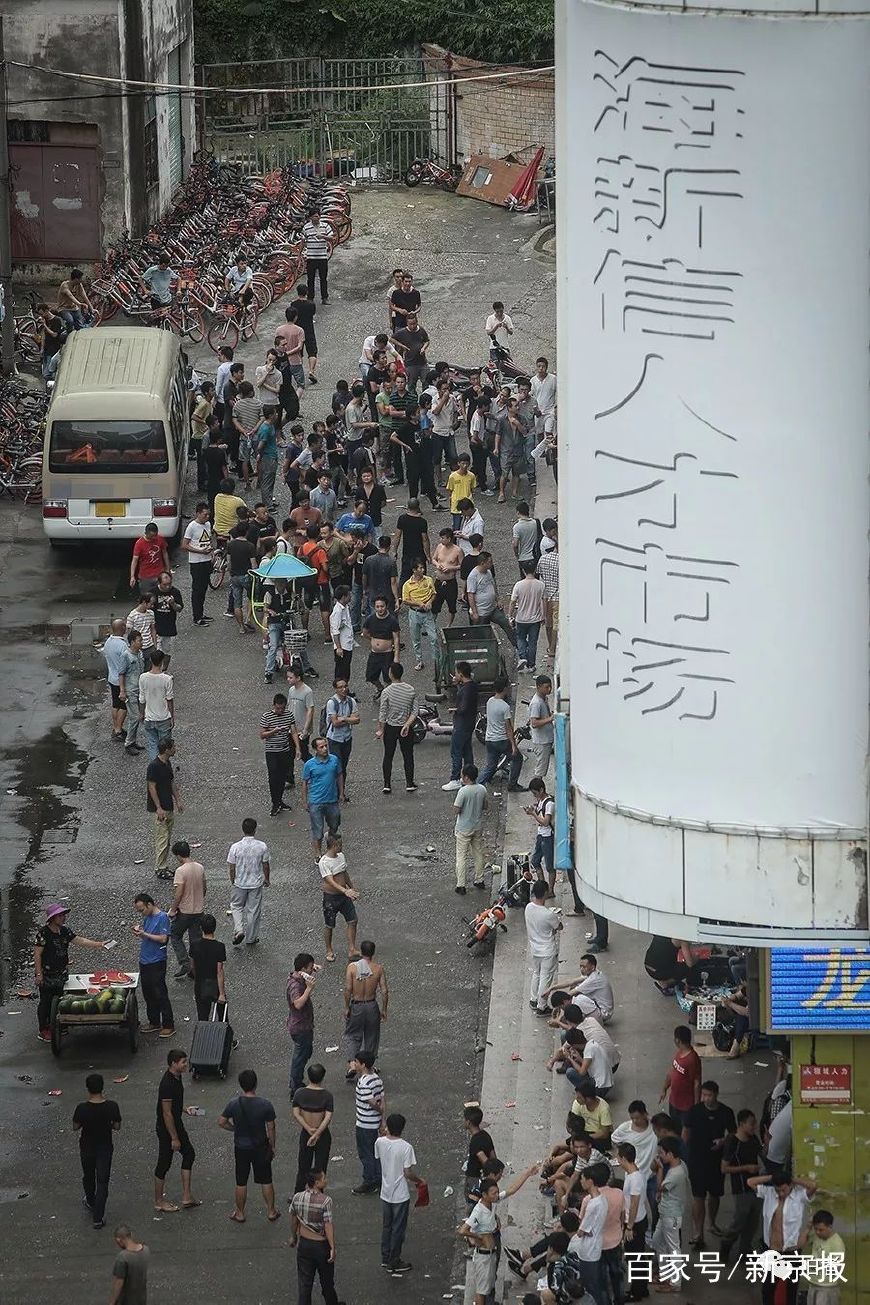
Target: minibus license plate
[{"x": 110, "y": 509}]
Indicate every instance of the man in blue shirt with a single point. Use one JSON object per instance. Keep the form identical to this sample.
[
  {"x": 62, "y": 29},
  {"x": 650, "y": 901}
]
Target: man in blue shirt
[
  {"x": 322, "y": 790},
  {"x": 356, "y": 523},
  {"x": 115, "y": 657},
  {"x": 153, "y": 933},
  {"x": 267, "y": 455}
]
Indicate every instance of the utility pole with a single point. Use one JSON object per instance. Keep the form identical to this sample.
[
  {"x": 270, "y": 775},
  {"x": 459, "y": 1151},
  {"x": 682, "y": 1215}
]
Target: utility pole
[{"x": 7, "y": 331}]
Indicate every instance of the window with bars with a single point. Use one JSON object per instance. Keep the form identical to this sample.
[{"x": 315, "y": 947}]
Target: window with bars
[{"x": 151, "y": 166}]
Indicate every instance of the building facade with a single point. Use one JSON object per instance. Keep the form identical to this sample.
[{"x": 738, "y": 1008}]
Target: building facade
[
  {"x": 89, "y": 161},
  {"x": 511, "y": 115}
]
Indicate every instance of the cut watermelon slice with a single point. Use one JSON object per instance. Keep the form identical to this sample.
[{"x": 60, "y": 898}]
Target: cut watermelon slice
[{"x": 102, "y": 977}]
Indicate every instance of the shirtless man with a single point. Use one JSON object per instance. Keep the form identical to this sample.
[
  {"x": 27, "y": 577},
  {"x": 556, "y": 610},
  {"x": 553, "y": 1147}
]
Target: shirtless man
[
  {"x": 362, "y": 981},
  {"x": 446, "y": 561},
  {"x": 381, "y": 628},
  {"x": 339, "y": 896},
  {"x": 313, "y": 1107}
]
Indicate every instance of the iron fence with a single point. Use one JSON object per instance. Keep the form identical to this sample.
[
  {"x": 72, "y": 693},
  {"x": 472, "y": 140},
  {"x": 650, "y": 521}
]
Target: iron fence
[{"x": 346, "y": 117}]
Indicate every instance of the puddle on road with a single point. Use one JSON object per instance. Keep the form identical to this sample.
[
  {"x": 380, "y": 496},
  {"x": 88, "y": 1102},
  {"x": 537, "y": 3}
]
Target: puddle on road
[
  {"x": 52, "y": 689},
  {"x": 38, "y": 776}
]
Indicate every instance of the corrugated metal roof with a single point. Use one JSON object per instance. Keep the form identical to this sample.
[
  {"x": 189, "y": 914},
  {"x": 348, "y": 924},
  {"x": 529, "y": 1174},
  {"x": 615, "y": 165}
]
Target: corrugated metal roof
[{"x": 122, "y": 357}]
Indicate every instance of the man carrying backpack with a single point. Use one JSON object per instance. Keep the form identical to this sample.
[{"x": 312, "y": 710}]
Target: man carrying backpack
[{"x": 337, "y": 720}]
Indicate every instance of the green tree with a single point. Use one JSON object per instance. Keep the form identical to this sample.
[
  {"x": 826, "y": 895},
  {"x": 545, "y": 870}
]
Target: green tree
[{"x": 513, "y": 31}]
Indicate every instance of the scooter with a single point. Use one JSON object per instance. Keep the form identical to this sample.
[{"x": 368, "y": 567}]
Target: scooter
[{"x": 429, "y": 722}]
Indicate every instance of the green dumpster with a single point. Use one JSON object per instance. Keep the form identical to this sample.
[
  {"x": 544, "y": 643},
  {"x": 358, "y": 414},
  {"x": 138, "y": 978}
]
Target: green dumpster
[{"x": 476, "y": 644}]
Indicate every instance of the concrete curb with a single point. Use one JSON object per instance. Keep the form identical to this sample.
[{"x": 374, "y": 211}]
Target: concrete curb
[{"x": 517, "y": 1113}]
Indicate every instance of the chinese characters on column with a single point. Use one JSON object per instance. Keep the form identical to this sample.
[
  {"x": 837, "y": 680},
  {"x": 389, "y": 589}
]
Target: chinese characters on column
[{"x": 667, "y": 186}]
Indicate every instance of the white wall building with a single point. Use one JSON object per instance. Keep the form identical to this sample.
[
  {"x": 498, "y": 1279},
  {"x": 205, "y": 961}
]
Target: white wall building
[{"x": 714, "y": 229}]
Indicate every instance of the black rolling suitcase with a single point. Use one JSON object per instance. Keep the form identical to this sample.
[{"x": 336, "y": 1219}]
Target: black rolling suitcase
[{"x": 212, "y": 1043}]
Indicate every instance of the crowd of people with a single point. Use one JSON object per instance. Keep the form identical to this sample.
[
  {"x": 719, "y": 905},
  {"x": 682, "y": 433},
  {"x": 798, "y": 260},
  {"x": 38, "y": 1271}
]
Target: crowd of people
[
  {"x": 624, "y": 1192},
  {"x": 320, "y": 495}
]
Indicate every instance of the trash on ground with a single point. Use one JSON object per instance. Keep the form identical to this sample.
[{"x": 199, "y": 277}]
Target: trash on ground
[
  {"x": 25, "y": 996},
  {"x": 332, "y": 1049},
  {"x": 56, "y": 1092},
  {"x": 448, "y": 1191},
  {"x": 509, "y": 1105},
  {"x": 121, "y": 1079},
  {"x": 515, "y": 1055},
  {"x": 24, "y": 1078}
]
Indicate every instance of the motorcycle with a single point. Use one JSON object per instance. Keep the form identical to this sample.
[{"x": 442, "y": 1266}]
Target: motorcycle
[
  {"x": 498, "y": 371},
  {"x": 428, "y": 170},
  {"x": 486, "y": 924}
]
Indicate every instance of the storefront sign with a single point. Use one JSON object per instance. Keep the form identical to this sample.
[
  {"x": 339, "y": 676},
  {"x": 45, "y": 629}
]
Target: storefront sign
[
  {"x": 819, "y": 990},
  {"x": 826, "y": 1085}
]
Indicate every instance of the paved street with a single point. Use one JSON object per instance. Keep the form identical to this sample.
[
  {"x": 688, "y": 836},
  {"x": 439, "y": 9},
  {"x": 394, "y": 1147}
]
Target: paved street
[{"x": 74, "y": 826}]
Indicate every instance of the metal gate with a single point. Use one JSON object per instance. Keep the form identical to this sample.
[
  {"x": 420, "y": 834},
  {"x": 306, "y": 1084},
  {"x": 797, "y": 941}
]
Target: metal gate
[{"x": 348, "y": 116}]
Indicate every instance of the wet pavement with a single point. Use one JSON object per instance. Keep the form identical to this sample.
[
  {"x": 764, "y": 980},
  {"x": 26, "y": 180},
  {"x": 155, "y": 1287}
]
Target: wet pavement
[{"x": 74, "y": 826}]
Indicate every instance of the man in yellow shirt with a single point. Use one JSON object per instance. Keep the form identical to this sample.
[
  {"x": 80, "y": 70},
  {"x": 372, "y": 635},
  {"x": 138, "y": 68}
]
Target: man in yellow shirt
[
  {"x": 595, "y": 1113},
  {"x": 460, "y": 484},
  {"x": 418, "y": 595},
  {"x": 226, "y": 505},
  {"x": 819, "y": 1243}
]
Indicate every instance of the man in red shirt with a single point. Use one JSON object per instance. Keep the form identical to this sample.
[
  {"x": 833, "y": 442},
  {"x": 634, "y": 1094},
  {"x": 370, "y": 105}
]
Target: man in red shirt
[
  {"x": 150, "y": 559},
  {"x": 683, "y": 1079}
]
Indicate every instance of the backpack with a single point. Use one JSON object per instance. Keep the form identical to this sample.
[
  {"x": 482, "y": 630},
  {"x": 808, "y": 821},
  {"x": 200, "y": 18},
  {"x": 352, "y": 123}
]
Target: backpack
[
  {"x": 328, "y": 710},
  {"x": 539, "y": 536}
]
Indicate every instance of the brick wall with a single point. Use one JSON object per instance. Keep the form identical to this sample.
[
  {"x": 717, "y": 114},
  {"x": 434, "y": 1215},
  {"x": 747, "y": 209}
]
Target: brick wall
[{"x": 509, "y": 115}]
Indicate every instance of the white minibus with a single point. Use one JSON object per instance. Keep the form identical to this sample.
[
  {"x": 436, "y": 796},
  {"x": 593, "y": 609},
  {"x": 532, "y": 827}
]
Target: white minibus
[{"x": 116, "y": 436}]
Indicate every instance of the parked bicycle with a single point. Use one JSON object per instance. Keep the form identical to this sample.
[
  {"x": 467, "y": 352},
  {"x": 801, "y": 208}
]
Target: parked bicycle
[
  {"x": 434, "y": 173},
  {"x": 234, "y": 321}
]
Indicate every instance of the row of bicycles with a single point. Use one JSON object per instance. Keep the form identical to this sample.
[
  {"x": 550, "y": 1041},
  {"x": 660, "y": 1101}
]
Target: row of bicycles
[
  {"x": 217, "y": 214},
  {"x": 22, "y": 423}
]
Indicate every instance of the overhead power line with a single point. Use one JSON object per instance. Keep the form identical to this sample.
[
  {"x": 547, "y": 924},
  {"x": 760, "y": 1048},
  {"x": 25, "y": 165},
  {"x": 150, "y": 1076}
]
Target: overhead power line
[{"x": 164, "y": 88}]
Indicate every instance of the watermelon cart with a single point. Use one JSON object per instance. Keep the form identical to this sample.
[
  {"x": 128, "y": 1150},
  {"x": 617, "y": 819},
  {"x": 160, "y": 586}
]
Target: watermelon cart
[{"x": 105, "y": 999}]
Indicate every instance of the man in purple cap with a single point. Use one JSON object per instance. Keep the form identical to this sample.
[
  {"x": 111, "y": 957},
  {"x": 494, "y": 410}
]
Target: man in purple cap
[{"x": 51, "y": 959}]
